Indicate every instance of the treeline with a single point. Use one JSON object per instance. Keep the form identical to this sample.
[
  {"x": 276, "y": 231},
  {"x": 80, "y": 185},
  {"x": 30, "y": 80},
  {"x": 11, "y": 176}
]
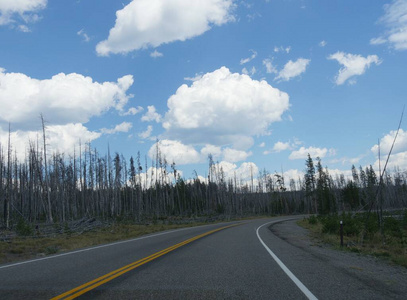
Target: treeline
[{"x": 62, "y": 188}]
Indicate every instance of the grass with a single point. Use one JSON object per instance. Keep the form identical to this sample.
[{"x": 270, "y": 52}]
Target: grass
[
  {"x": 22, "y": 247},
  {"x": 392, "y": 246}
]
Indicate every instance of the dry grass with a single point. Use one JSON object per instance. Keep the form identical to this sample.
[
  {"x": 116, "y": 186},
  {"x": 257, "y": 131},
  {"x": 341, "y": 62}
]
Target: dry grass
[
  {"x": 390, "y": 248},
  {"x": 22, "y": 248}
]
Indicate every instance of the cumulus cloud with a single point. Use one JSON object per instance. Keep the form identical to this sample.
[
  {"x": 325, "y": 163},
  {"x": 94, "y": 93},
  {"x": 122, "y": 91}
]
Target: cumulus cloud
[
  {"x": 148, "y": 177},
  {"x": 293, "y": 69},
  {"x": 26, "y": 9},
  {"x": 243, "y": 174},
  {"x": 150, "y": 23},
  {"x": 233, "y": 155},
  {"x": 175, "y": 151},
  {"x": 151, "y": 115},
  {"x": 213, "y": 150},
  {"x": 65, "y": 98},
  {"x": 386, "y": 142},
  {"x": 280, "y": 146},
  {"x": 269, "y": 66},
  {"x": 223, "y": 108},
  {"x": 246, "y": 60},
  {"x": 397, "y": 160},
  {"x": 353, "y": 65},
  {"x": 123, "y": 127},
  {"x": 302, "y": 153},
  {"x": 395, "y": 19},
  {"x": 61, "y": 138}
]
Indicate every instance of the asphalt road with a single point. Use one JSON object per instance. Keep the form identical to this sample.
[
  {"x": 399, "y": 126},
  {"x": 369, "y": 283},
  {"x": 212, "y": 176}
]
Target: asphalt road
[{"x": 232, "y": 263}]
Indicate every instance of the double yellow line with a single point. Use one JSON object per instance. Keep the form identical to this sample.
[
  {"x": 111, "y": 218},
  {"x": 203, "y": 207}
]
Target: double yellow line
[{"x": 80, "y": 290}]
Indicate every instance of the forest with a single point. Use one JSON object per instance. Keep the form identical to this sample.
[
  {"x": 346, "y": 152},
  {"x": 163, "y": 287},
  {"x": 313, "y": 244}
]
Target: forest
[{"x": 58, "y": 188}]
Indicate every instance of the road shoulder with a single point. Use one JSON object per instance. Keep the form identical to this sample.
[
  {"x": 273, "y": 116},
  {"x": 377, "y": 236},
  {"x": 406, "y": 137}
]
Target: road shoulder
[{"x": 370, "y": 271}]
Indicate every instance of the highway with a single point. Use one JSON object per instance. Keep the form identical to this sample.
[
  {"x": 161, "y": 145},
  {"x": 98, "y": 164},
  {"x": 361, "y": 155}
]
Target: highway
[{"x": 236, "y": 260}]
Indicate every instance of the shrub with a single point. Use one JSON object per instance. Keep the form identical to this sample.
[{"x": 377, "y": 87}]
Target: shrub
[
  {"x": 392, "y": 227},
  {"x": 330, "y": 224},
  {"x": 312, "y": 220},
  {"x": 23, "y": 228}
]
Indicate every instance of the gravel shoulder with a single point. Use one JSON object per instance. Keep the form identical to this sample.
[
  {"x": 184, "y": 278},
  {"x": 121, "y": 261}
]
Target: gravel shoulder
[{"x": 388, "y": 280}]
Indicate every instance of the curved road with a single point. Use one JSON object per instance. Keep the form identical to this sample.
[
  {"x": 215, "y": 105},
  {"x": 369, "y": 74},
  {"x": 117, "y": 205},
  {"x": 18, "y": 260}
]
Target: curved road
[{"x": 246, "y": 261}]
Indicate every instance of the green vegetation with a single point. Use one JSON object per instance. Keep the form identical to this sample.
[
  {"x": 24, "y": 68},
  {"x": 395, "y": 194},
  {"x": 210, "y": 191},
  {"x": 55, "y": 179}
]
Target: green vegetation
[
  {"x": 363, "y": 235},
  {"x": 21, "y": 247}
]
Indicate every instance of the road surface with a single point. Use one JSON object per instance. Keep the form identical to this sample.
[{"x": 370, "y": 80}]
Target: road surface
[{"x": 259, "y": 259}]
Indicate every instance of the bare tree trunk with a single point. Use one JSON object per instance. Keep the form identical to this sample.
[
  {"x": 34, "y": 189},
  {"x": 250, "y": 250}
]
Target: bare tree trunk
[{"x": 50, "y": 219}]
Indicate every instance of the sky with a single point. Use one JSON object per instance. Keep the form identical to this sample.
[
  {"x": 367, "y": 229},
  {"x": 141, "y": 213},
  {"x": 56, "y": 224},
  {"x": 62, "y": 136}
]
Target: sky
[{"x": 256, "y": 84}]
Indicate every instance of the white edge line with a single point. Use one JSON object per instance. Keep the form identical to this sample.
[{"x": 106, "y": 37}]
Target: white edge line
[
  {"x": 102, "y": 246},
  {"x": 297, "y": 282}
]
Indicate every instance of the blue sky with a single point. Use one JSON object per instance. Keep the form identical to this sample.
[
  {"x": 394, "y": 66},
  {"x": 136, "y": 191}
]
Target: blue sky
[{"x": 258, "y": 84}]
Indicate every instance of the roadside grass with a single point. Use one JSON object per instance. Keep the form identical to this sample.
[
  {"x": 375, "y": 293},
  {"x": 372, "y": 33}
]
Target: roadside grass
[
  {"x": 22, "y": 247},
  {"x": 391, "y": 246}
]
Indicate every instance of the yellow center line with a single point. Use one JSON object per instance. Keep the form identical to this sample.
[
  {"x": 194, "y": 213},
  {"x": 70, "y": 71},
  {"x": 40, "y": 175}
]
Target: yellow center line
[{"x": 82, "y": 289}]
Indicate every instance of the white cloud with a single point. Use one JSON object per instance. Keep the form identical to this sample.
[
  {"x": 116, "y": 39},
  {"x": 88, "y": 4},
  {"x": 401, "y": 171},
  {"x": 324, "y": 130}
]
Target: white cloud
[
  {"x": 195, "y": 78},
  {"x": 246, "y": 60},
  {"x": 282, "y": 49},
  {"x": 302, "y": 153},
  {"x": 175, "y": 151},
  {"x": 150, "y": 23},
  {"x": 133, "y": 111},
  {"x": 215, "y": 151},
  {"x": 243, "y": 174},
  {"x": 262, "y": 145},
  {"x": 123, "y": 127},
  {"x": 83, "y": 34},
  {"x": 353, "y": 65},
  {"x": 386, "y": 142},
  {"x": 156, "y": 54},
  {"x": 378, "y": 41},
  {"x": 23, "y": 28},
  {"x": 148, "y": 178},
  {"x": 24, "y": 8},
  {"x": 322, "y": 43},
  {"x": 151, "y": 115},
  {"x": 397, "y": 160},
  {"x": 247, "y": 72},
  {"x": 223, "y": 108},
  {"x": 233, "y": 155},
  {"x": 61, "y": 138},
  {"x": 347, "y": 160},
  {"x": 280, "y": 146},
  {"x": 395, "y": 19},
  {"x": 65, "y": 98},
  {"x": 269, "y": 66},
  {"x": 293, "y": 69},
  {"x": 146, "y": 134},
  {"x": 295, "y": 175}
]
